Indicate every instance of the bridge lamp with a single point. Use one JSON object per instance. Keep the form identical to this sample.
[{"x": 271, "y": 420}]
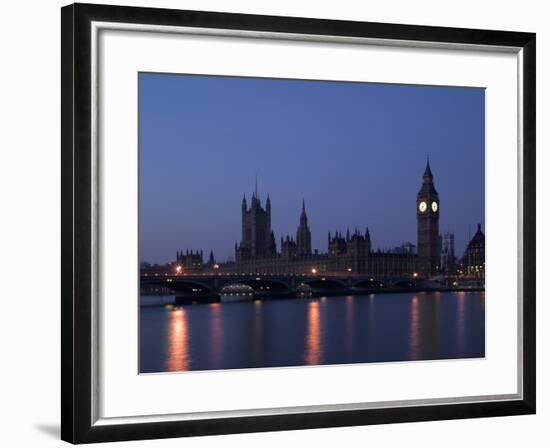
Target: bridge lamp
[
  {"x": 179, "y": 269},
  {"x": 415, "y": 274},
  {"x": 314, "y": 271},
  {"x": 349, "y": 269},
  {"x": 216, "y": 266}
]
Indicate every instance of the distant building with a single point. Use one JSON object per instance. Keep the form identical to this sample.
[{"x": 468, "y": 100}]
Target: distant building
[
  {"x": 427, "y": 218},
  {"x": 448, "y": 259},
  {"x": 189, "y": 261},
  {"x": 289, "y": 248},
  {"x": 351, "y": 253},
  {"x": 303, "y": 234},
  {"x": 473, "y": 261},
  {"x": 405, "y": 248},
  {"x": 211, "y": 261},
  {"x": 257, "y": 239}
]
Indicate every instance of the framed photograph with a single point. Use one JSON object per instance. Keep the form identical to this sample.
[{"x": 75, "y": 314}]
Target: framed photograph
[{"x": 274, "y": 223}]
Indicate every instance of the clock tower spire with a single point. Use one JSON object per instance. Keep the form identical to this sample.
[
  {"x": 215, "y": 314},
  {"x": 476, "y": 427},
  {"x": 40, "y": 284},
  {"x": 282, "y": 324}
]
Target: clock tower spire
[{"x": 427, "y": 219}]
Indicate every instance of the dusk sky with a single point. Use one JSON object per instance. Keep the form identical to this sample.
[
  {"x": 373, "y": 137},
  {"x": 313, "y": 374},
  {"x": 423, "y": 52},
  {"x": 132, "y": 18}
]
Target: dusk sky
[{"x": 355, "y": 152}]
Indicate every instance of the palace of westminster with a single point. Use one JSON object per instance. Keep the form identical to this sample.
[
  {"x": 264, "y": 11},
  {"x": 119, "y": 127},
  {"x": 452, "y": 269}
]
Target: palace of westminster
[{"x": 349, "y": 252}]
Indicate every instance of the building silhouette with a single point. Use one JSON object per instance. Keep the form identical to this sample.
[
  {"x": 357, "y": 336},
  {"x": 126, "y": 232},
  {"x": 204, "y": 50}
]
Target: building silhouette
[
  {"x": 303, "y": 234},
  {"x": 473, "y": 260},
  {"x": 190, "y": 261},
  {"x": 447, "y": 263},
  {"x": 427, "y": 216},
  {"x": 257, "y": 239},
  {"x": 349, "y": 252}
]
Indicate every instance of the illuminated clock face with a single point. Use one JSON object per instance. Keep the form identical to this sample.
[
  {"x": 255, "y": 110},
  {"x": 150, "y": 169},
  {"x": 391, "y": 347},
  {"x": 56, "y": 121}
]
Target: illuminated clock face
[
  {"x": 422, "y": 206},
  {"x": 434, "y": 206}
]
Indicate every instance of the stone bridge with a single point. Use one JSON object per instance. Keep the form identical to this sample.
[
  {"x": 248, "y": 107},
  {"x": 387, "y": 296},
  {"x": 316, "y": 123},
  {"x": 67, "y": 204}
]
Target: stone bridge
[{"x": 202, "y": 285}]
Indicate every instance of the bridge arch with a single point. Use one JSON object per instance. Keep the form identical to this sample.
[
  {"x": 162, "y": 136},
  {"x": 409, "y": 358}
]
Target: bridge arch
[
  {"x": 370, "y": 283},
  {"x": 186, "y": 286},
  {"x": 324, "y": 284},
  {"x": 259, "y": 284}
]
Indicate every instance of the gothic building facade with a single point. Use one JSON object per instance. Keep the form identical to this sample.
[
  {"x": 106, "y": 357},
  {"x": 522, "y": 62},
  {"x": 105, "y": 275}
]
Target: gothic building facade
[
  {"x": 427, "y": 217},
  {"x": 189, "y": 260},
  {"x": 473, "y": 260},
  {"x": 448, "y": 259},
  {"x": 351, "y": 253},
  {"x": 303, "y": 235},
  {"x": 347, "y": 253},
  {"x": 257, "y": 238}
]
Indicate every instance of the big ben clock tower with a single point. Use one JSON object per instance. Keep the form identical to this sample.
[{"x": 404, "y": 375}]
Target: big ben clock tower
[{"x": 427, "y": 217}]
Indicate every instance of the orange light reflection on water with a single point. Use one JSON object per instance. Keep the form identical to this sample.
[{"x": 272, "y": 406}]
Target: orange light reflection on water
[
  {"x": 178, "y": 342},
  {"x": 313, "y": 342}
]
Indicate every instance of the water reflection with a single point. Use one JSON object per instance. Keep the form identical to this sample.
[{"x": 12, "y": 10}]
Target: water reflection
[
  {"x": 216, "y": 333},
  {"x": 371, "y": 327},
  {"x": 349, "y": 326},
  {"x": 414, "y": 334},
  {"x": 313, "y": 342},
  {"x": 460, "y": 322},
  {"x": 297, "y": 332},
  {"x": 178, "y": 342},
  {"x": 258, "y": 330}
]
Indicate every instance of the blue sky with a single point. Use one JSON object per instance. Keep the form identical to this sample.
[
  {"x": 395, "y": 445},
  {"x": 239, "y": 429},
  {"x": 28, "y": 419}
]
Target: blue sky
[{"x": 354, "y": 151}]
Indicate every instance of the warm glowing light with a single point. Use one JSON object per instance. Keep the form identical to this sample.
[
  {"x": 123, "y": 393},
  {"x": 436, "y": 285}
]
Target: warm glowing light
[
  {"x": 178, "y": 269},
  {"x": 349, "y": 269},
  {"x": 314, "y": 271},
  {"x": 422, "y": 207},
  {"x": 313, "y": 343},
  {"x": 216, "y": 266},
  {"x": 415, "y": 274},
  {"x": 178, "y": 340}
]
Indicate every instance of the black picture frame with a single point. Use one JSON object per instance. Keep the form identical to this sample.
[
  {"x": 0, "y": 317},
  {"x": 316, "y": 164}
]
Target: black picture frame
[{"x": 76, "y": 219}]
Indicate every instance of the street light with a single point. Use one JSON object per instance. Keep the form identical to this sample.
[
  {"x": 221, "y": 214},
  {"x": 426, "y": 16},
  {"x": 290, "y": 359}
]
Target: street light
[{"x": 314, "y": 271}]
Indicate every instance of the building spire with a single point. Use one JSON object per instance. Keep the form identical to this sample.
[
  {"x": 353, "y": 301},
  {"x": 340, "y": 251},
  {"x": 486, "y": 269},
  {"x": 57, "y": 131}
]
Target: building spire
[
  {"x": 256, "y": 186},
  {"x": 428, "y": 176}
]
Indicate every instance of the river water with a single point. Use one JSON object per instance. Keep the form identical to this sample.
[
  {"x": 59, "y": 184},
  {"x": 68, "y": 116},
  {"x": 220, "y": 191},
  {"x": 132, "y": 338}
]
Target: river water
[{"x": 312, "y": 331}]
